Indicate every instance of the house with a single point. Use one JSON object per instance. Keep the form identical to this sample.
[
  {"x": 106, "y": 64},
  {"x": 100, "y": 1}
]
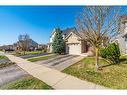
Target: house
[
  {"x": 7, "y": 47},
  {"x": 121, "y": 38},
  {"x": 42, "y": 47},
  {"x": 16, "y": 46},
  {"x": 75, "y": 42},
  {"x": 32, "y": 45}
]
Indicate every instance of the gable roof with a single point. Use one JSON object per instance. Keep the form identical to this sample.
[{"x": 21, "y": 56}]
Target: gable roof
[
  {"x": 67, "y": 32},
  {"x": 71, "y": 34}
]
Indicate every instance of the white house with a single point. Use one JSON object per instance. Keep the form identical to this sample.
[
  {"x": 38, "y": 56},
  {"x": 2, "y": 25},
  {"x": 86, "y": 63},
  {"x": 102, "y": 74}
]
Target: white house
[
  {"x": 75, "y": 43},
  {"x": 121, "y": 39}
]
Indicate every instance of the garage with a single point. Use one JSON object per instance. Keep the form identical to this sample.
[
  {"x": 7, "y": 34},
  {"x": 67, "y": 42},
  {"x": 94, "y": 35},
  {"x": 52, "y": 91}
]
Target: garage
[{"x": 73, "y": 49}]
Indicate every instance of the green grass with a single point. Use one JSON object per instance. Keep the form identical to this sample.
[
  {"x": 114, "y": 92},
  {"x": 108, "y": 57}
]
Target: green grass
[
  {"x": 41, "y": 58},
  {"x": 3, "y": 57},
  {"x": 34, "y": 52},
  {"x": 27, "y": 53},
  {"x": 28, "y": 82},
  {"x": 2, "y": 65},
  {"x": 112, "y": 75}
]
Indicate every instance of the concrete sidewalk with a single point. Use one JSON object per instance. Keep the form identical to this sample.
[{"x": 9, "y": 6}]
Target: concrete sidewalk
[{"x": 54, "y": 78}]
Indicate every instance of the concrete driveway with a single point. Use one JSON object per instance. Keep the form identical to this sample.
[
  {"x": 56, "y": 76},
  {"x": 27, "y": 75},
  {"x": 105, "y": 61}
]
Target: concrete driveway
[{"x": 60, "y": 62}]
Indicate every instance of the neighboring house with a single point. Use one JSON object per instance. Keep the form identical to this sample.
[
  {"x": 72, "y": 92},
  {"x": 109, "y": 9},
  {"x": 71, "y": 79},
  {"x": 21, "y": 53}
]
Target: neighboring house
[
  {"x": 7, "y": 47},
  {"x": 121, "y": 38},
  {"x": 42, "y": 47},
  {"x": 75, "y": 42},
  {"x": 32, "y": 45}
]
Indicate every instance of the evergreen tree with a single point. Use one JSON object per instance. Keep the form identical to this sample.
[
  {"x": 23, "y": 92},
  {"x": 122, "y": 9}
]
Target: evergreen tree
[{"x": 58, "y": 44}]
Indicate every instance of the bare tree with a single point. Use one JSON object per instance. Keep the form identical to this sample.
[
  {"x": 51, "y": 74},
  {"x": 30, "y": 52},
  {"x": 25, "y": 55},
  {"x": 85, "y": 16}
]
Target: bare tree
[
  {"x": 97, "y": 23},
  {"x": 24, "y": 41}
]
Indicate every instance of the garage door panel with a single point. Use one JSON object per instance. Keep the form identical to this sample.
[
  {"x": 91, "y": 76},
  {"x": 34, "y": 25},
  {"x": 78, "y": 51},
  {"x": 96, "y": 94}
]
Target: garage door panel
[{"x": 74, "y": 49}]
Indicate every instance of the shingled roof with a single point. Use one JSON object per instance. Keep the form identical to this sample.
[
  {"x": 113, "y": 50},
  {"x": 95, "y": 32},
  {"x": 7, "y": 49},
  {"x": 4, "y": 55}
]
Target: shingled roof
[{"x": 67, "y": 31}]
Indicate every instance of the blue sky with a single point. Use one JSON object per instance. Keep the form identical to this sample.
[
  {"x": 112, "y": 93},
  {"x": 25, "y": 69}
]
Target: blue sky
[{"x": 37, "y": 21}]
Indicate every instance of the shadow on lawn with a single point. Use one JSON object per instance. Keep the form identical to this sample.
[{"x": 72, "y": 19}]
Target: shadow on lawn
[
  {"x": 122, "y": 61},
  {"x": 108, "y": 65}
]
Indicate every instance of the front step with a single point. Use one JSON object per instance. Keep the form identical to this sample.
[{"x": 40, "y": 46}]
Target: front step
[{"x": 84, "y": 54}]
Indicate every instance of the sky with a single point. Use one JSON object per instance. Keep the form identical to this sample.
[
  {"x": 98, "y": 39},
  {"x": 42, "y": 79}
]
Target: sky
[{"x": 36, "y": 21}]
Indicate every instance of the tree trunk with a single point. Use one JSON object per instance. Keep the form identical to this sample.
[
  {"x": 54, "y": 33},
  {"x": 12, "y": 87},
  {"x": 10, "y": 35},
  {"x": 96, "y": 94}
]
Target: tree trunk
[
  {"x": 24, "y": 52},
  {"x": 97, "y": 59}
]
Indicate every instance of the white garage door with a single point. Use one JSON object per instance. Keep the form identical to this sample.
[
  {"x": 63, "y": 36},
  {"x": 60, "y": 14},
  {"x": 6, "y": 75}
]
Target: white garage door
[{"x": 74, "y": 49}]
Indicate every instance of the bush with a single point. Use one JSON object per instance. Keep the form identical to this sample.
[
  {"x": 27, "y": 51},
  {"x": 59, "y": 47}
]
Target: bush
[
  {"x": 9, "y": 50},
  {"x": 103, "y": 52},
  {"x": 112, "y": 52},
  {"x": 39, "y": 49}
]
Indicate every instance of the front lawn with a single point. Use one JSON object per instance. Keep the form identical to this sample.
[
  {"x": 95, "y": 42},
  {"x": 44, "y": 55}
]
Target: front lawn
[
  {"x": 3, "y": 57},
  {"x": 28, "y": 82},
  {"x": 112, "y": 75},
  {"x": 42, "y": 58},
  {"x": 5, "y": 62},
  {"x": 33, "y": 52},
  {"x": 27, "y": 53}
]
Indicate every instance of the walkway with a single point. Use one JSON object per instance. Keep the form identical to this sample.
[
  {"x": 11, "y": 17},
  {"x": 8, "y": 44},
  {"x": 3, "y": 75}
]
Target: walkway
[{"x": 54, "y": 78}]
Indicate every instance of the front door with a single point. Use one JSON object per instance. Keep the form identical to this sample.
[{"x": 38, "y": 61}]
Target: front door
[{"x": 85, "y": 47}]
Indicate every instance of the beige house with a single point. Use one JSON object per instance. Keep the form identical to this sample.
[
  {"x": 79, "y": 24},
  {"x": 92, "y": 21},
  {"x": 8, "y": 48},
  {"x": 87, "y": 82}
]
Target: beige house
[{"x": 75, "y": 43}]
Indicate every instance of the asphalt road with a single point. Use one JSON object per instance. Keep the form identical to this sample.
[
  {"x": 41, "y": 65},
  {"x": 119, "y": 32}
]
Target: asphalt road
[
  {"x": 11, "y": 73},
  {"x": 4, "y": 61}
]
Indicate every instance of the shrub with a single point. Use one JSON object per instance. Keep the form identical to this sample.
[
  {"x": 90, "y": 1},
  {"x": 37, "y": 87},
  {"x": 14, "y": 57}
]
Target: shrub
[
  {"x": 39, "y": 49},
  {"x": 103, "y": 52},
  {"x": 112, "y": 52}
]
